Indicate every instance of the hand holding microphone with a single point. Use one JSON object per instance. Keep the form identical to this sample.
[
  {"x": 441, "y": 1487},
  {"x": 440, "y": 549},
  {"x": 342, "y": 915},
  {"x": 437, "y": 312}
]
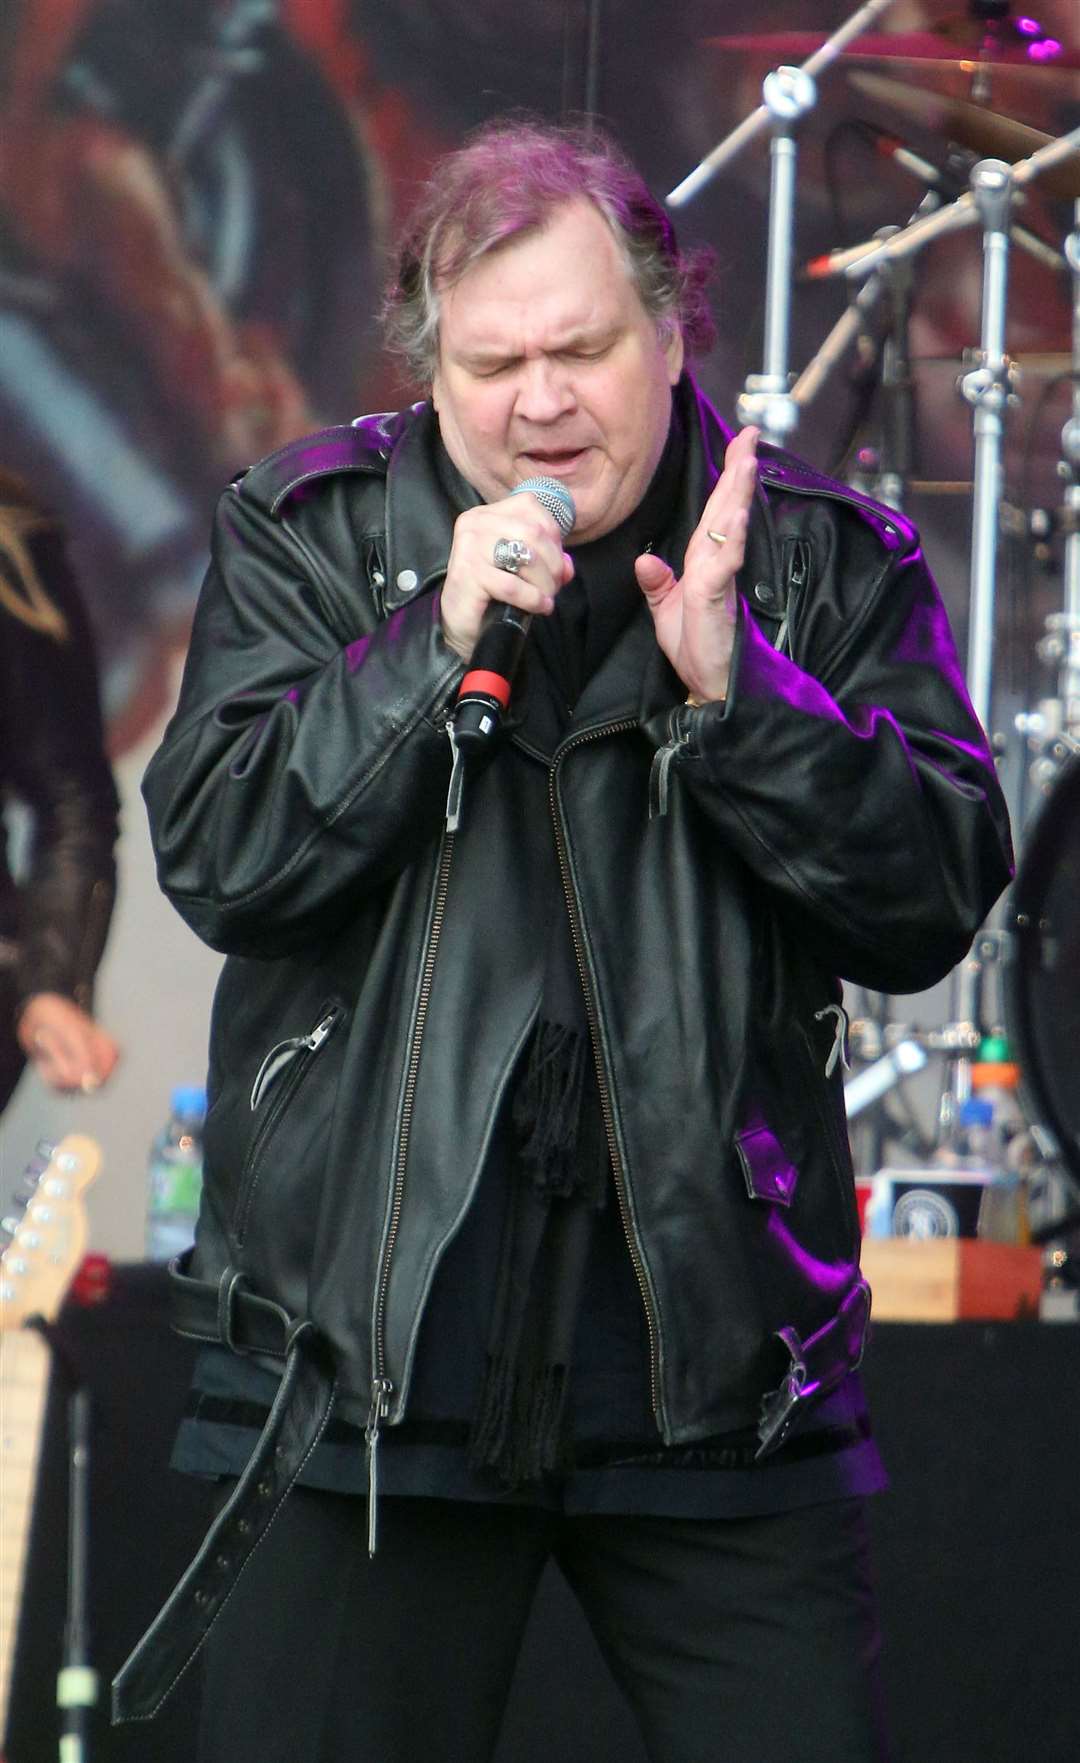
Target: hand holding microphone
[{"x": 507, "y": 564}]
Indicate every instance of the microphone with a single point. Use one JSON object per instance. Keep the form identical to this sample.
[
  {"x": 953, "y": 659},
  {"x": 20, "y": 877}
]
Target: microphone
[{"x": 484, "y": 693}]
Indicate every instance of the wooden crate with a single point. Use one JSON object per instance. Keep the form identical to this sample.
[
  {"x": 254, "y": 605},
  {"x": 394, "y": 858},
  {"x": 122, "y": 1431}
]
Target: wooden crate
[{"x": 949, "y": 1279}]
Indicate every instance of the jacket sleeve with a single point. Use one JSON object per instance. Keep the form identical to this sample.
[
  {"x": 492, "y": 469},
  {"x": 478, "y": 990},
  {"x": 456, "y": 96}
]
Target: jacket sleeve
[
  {"x": 306, "y": 763},
  {"x": 56, "y": 764},
  {"x": 854, "y": 778}
]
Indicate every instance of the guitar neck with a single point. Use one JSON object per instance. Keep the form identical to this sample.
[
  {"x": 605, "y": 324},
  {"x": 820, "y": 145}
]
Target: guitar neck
[
  {"x": 44, "y": 1248},
  {"x": 24, "y": 1377}
]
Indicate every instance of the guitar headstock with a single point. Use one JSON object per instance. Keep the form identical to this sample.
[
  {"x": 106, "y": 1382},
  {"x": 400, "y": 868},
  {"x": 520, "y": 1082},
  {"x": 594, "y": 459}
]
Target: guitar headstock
[{"x": 49, "y": 1240}]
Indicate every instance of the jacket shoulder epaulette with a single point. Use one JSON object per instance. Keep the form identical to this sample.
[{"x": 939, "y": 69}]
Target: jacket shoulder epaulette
[
  {"x": 361, "y": 446},
  {"x": 781, "y": 470}
]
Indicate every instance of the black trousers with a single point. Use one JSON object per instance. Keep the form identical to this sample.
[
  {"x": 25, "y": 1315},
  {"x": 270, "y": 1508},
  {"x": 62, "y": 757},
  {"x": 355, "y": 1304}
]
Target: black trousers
[{"x": 740, "y": 1641}]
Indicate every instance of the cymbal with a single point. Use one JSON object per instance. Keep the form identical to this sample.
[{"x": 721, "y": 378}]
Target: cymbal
[
  {"x": 960, "y": 43},
  {"x": 971, "y": 125}
]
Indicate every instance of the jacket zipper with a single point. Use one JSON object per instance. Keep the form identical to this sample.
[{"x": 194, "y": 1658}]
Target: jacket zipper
[
  {"x": 601, "y": 1074},
  {"x": 285, "y": 1052},
  {"x": 819, "y": 1102},
  {"x": 297, "y": 1052},
  {"x": 381, "y": 1385}
]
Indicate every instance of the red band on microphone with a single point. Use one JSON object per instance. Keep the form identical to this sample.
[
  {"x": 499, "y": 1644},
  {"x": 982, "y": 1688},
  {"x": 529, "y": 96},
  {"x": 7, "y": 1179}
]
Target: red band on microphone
[{"x": 491, "y": 684}]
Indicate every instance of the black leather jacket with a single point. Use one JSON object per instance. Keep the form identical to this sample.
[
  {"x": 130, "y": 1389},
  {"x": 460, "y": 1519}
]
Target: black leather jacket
[
  {"x": 52, "y": 759},
  {"x": 838, "y": 817}
]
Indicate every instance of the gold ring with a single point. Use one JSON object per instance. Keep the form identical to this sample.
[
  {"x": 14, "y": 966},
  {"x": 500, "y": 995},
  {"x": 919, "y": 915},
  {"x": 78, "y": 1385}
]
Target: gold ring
[{"x": 717, "y": 538}]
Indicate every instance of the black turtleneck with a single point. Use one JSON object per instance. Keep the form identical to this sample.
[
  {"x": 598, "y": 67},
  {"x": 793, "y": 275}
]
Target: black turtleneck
[
  {"x": 566, "y": 648},
  {"x": 592, "y": 609}
]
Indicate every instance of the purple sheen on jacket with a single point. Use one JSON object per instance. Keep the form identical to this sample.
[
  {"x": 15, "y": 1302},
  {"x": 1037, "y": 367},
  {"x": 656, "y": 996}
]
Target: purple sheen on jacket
[
  {"x": 830, "y": 1277},
  {"x": 355, "y": 653},
  {"x": 763, "y": 673},
  {"x": 927, "y": 641}
]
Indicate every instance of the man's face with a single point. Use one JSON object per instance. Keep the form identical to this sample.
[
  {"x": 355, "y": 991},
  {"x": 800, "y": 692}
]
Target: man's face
[{"x": 550, "y": 366}]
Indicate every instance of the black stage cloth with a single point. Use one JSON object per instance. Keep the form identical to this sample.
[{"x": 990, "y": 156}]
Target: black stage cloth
[{"x": 978, "y": 1548}]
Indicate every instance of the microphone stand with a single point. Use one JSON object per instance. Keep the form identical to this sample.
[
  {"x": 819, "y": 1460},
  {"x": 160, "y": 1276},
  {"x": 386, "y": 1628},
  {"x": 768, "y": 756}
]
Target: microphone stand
[{"x": 77, "y": 1683}]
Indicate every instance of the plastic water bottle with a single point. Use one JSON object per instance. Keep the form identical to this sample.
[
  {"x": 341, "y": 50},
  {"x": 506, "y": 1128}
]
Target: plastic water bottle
[
  {"x": 1003, "y": 1214},
  {"x": 174, "y": 1183}
]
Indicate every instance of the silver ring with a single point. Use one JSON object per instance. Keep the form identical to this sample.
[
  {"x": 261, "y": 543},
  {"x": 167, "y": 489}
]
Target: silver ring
[{"x": 511, "y": 555}]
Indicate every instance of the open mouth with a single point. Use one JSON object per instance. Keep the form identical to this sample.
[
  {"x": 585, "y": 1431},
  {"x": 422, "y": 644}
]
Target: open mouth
[{"x": 557, "y": 461}]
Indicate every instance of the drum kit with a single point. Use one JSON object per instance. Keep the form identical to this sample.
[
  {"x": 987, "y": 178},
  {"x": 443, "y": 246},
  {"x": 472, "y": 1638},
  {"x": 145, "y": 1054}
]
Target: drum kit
[{"x": 957, "y": 83}]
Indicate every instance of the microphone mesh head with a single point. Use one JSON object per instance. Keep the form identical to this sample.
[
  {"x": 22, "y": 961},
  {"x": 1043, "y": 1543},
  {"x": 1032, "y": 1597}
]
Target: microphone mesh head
[{"x": 552, "y": 494}]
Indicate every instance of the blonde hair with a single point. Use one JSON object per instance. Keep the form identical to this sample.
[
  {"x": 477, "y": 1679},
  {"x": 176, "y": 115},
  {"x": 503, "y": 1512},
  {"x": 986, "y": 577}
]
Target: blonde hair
[{"x": 22, "y": 592}]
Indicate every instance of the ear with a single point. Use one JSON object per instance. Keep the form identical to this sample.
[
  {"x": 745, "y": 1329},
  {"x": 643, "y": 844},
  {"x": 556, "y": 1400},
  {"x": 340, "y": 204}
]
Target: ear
[{"x": 675, "y": 354}]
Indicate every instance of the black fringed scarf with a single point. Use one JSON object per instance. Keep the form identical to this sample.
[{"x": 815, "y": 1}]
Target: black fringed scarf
[{"x": 561, "y": 1160}]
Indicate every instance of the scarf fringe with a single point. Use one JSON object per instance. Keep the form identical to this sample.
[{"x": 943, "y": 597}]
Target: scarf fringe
[
  {"x": 518, "y": 1428},
  {"x": 553, "y": 1120}
]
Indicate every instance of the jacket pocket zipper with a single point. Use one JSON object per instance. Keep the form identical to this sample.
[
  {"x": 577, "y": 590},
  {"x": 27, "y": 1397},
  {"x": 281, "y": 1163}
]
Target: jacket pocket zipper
[
  {"x": 285, "y": 1052},
  {"x": 285, "y": 1066}
]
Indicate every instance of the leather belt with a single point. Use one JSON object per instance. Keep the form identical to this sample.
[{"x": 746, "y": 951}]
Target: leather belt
[
  {"x": 229, "y": 1313},
  {"x": 235, "y": 1316}
]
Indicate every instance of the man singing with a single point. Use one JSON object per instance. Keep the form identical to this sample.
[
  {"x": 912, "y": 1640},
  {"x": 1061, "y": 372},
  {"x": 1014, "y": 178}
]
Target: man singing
[{"x": 529, "y": 1226}]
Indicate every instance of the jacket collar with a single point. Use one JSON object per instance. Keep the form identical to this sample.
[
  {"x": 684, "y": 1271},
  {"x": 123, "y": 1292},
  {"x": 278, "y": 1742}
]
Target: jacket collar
[{"x": 419, "y": 520}]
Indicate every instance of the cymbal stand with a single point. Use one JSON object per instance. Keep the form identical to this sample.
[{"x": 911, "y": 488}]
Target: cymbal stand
[
  {"x": 986, "y": 389},
  {"x": 1053, "y": 731},
  {"x": 760, "y": 119},
  {"x": 789, "y": 94},
  {"x": 894, "y": 281},
  {"x": 898, "y": 391}
]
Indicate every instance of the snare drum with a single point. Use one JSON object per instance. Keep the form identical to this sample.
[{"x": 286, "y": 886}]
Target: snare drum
[{"x": 1042, "y": 980}]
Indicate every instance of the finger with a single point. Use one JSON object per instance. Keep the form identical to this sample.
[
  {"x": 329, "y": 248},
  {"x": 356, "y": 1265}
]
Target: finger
[
  {"x": 734, "y": 490},
  {"x": 712, "y": 564},
  {"x": 655, "y": 578},
  {"x": 106, "y": 1053},
  {"x": 472, "y": 580},
  {"x": 56, "y": 1065}
]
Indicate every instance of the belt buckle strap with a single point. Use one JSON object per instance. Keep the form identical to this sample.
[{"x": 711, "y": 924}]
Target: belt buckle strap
[
  {"x": 816, "y": 1367},
  {"x": 293, "y": 1428},
  {"x": 231, "y": 1282}
]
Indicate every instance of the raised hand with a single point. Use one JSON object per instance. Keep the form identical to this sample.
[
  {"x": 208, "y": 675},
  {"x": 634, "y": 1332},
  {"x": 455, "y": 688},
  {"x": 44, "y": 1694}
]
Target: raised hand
[{"x": 695, "y": 616}]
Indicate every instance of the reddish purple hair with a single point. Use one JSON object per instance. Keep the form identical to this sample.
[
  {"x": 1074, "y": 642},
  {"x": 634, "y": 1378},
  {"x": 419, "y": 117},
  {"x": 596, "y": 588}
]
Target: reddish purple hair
[{"x": 507, "y": 181}]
